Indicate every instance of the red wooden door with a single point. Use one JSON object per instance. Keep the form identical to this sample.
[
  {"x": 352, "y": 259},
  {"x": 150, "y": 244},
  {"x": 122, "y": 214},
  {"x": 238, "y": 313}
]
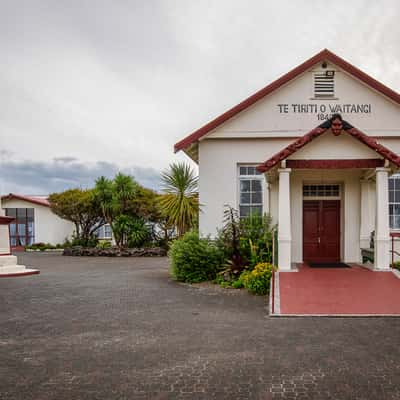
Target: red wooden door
[{"x": 321, "y": 230}]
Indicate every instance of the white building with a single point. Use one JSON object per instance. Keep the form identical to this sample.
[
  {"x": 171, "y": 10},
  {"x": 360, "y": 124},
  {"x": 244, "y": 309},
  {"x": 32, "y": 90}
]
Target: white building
[
  {"x": 34, "y": 221},
  {"x": 276, "y": 152}
]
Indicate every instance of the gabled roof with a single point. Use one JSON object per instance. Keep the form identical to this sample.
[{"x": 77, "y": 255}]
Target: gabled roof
[
  {"x": 320, "y": 130},
  {"x": 31, "y": 199},
  {"x": 324, "y": 55}
]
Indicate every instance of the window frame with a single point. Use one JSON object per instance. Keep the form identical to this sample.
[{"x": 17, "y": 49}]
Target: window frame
[
  {"x": 19, "y": 229},
  {"x": 394, "y": 178},
  {"x": 259, "y": 177}
]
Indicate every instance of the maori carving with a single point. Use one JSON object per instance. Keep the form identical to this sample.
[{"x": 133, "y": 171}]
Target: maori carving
[
  {"x": 319, "y": 130},
  {"x": 374, "y": 145}
]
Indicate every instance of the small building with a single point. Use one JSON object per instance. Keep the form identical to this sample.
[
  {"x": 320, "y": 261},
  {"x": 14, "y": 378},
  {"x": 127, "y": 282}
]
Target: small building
[
  {"x": 34, "y": 221},
  {"x": 327, "y": 187}
]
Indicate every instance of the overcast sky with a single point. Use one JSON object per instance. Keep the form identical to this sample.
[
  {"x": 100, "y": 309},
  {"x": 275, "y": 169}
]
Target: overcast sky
[{"x": 88, "y": 88}]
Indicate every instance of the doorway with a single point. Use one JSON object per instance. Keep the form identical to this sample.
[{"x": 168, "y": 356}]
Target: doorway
[{"x": 321, "y": 231}]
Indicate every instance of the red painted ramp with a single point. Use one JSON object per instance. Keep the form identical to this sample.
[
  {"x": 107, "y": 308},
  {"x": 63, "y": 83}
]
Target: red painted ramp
[{"x": 339, "y": 291}]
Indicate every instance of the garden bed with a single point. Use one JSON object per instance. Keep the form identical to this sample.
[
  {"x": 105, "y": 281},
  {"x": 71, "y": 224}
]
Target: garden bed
[{"x": 114, "y": 252}]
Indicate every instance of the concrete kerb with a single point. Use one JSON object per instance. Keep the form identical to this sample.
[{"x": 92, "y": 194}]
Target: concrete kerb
[{"x": 276, "y": 298}]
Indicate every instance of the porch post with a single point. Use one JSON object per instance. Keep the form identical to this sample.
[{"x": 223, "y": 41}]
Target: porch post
[
  {"x": 366, "y": 225},
  {"x": 382, "y": 239},
  {"x": 284, "y": 225}
]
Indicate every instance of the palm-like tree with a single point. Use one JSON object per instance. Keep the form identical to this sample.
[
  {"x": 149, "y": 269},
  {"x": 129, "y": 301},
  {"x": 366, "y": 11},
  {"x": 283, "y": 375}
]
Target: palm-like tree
[{"x": 180, "y": 202}]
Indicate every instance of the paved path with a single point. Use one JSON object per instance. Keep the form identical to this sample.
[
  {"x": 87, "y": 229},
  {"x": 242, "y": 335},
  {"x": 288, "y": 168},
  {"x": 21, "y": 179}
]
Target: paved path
[
  {"x": 337, "y": 291},
  {"x": 94, "y": 328}
]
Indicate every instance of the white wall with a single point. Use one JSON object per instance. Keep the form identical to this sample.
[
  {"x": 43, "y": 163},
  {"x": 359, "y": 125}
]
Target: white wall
[
  {"x": 4, "y": 240},
  {"x": 264, "y": 119},
  {"x": 49, "y": 228},
  {"x": 218, "y": 174}
]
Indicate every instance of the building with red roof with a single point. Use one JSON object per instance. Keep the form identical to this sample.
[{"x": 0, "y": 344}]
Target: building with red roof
[{"x": 327, "y": 180}]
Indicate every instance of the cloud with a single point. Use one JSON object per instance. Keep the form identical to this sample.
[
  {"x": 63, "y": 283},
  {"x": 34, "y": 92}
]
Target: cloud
[
  {"x": 38, "y": 177},
  {"x": 125, "y": 80},
  {"x": 65, "y": 159}
]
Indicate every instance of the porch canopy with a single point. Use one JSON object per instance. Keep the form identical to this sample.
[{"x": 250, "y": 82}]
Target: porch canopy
[{"x": 282, "y": 163}]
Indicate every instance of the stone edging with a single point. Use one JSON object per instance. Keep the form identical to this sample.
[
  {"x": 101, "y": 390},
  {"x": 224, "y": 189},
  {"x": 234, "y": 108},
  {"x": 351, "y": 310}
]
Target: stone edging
[{"x": 79, "y": 251}]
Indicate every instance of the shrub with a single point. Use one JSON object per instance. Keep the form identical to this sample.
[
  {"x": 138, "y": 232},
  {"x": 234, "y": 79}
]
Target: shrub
[
  {"x": 258, "y": 280},
  {"x": 194, "y": 259},
  {"x": 256, "y": 237},
  {"x": 139, "y": 233},
  {"x": 396, "y": 265},
  {"x": 40, "y": 246},
  {"x": 245, "y": 241},
  {"x": 85, "y": 242},
  {"x": 228, "y": 241},
  {"x": 67, "y": 243},
  {"x": 103, "y": 244},
  {"x": 238, "y": 284}
]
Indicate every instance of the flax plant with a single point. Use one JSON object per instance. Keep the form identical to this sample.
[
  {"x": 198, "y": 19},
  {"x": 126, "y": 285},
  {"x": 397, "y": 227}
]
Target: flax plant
[{"x": 180, "y": 202}]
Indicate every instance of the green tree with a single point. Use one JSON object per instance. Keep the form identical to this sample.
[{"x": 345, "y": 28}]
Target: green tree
[
  {"x": 126, "y": 206},
  {"x": 80, "y": 207},
  {"x": 180, "y": 204}
]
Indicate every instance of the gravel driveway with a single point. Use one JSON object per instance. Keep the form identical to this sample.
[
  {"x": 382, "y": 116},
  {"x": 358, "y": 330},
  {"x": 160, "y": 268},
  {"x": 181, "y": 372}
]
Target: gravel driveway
[{"x": 102, "y": 328}]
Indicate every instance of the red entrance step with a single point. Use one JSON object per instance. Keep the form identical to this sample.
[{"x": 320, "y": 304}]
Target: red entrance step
[{"x": 347, "y": 291}]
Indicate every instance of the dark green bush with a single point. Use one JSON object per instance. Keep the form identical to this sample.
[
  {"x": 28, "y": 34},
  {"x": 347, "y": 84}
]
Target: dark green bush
[
  {"x": 85, "y": 242},
  {"x": 256, "y": 237},
  {"x": 40, "y": 246},
  {"x": 195, "y": 259}
]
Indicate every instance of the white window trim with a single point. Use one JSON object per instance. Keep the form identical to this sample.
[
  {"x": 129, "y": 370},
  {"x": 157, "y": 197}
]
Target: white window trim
[
  {"x": 259, "y": 177},
  {"x": 396, "y": 177}
]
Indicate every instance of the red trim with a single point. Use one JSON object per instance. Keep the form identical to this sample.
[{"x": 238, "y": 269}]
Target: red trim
[
  {"x": 6, "y": 220},
  {"x": 6, "y": 254},
  {"x": 292, "y": 148},
  {"x": 335, "y": 164},
  {"x": 374, "y": 145},
  {"x": 308, "y": 137},
  {"x": 324, "y": 55},
  {"x": 19, "y": 274},
  {"x": 34, "y": 200}
]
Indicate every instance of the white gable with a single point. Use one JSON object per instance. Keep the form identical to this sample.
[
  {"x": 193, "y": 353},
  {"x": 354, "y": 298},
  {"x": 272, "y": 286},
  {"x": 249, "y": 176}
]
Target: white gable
[{"x": 293, "y": 109}]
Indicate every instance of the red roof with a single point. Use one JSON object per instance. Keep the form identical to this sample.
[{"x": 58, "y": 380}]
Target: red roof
[
  {"x": 324, "y": 55},
  {"x": 31, "y": 199},
  {"x": 320, "y": 130}
]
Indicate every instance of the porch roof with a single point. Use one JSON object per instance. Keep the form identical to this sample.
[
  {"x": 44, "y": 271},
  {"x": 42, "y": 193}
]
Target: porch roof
[{"x": 320, "y": 130}]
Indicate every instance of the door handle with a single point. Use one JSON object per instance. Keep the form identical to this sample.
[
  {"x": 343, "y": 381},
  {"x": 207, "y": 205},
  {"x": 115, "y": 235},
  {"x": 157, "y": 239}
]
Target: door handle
[{"x": 319, "y": 239}]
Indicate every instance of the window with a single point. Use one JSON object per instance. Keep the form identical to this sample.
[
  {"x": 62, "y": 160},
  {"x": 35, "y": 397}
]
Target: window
[
  {"x": 321, "y": 191},
  {"x": 394, "y": 201},
  {"x": 250, "y": 191},
  {"x": 22, "y": 229},
  {"x": 104, "y": 232},
  {"x": 107, "y": 231}
]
